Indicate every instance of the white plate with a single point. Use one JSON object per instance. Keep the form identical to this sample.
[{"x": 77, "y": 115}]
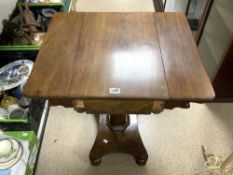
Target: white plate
[
  {"x": 14, "y": 157},
  {"x": 14, "y": 74}
]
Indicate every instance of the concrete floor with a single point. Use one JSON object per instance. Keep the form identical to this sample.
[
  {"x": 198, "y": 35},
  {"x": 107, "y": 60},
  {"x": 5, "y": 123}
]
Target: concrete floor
[{"x": 173, "y": 138}]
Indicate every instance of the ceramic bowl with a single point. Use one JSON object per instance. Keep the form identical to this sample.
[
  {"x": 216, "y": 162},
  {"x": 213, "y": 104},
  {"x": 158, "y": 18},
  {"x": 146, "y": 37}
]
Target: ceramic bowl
[
  {"x": 10, "y": 157},
  {"x": 6, "y": 148}
]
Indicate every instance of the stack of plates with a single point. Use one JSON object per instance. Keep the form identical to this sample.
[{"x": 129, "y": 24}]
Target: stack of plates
[{"x": 10, "y": 152}]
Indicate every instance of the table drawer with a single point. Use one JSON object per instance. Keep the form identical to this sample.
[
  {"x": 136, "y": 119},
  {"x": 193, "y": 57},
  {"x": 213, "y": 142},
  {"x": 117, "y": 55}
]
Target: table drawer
[{"x": 118, "y": 106}]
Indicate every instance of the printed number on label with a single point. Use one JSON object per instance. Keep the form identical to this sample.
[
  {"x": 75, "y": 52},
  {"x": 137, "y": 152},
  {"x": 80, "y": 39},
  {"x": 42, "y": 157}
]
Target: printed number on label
[{"x": 114, "y": 90}]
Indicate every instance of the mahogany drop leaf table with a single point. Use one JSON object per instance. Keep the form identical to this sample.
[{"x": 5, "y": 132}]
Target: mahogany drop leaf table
[{"x": 119, "y": 65}]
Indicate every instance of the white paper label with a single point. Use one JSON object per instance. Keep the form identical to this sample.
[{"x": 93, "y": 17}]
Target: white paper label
[
  {"x": 25, "y": 134},
  {"x": 114, "y": 90}
]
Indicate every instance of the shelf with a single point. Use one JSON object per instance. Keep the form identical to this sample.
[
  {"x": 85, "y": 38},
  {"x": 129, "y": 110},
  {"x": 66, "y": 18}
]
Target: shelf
[
  {"x": 19, "y": 47},
  {"x": 43, "y": 120},
  {"x": 23, "y": 120},
  {"x": 20, "y": 3},
  {"x": 66, "y": 5}
]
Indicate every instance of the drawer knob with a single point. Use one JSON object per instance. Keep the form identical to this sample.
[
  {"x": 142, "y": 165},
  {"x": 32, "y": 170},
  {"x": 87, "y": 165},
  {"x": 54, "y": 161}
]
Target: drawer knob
[
  {"x": 79, "y": 106},
  {"x": 158, "y": 107}
]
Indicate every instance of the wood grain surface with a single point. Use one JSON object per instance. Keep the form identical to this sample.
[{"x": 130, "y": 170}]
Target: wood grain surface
[
  {"x": 53, "y": 69},
  {"x": 118, "y": 51},
  {"x": 124, "y": 141},
  {"x": 185, "y": 73},
  {"x": 118, "y": 106},
  {"x": 147, "y": 56}
]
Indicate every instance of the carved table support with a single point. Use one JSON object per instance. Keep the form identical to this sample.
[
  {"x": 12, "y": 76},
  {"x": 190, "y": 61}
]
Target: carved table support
[{"x": 118, "y": 133}]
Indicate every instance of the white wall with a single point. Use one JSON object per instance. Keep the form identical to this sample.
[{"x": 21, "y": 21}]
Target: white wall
[
  {"x": 176, "y": 5},
  {"x": 6, "y": 7},
  {"x": 170, "y": 5}
]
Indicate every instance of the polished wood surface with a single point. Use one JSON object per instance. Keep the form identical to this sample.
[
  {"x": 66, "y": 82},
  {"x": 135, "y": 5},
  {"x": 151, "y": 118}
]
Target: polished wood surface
[
  {"x": 147, "y": 56},
  {"x": 185, "y": 73},
  {"x": 53, "y": 69},
  {"x": 156, "y": 107},
  {"x": 118, "y": 106},
  {"x": 112, "y": 138},
  {"x": 116, "y": 51}
]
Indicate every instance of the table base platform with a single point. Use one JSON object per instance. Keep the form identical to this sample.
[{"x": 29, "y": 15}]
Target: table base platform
[{"x": 118, "y": 133}]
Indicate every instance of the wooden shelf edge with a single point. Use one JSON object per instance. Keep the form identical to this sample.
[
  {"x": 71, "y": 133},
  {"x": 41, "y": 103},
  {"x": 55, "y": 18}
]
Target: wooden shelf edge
[
  {"x": 20, "y": 48},
  {"x": 40, "y": 4}
]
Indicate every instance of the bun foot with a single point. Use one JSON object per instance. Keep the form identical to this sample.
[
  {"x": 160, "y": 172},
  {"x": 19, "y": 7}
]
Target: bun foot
[
  {"x": 96, "y": 161},
  {"x": 140, "y": 161}
]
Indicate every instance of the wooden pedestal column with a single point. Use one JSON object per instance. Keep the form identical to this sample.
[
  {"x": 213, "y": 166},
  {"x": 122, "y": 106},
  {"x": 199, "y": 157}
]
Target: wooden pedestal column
[{"x": 118, "y": 133}]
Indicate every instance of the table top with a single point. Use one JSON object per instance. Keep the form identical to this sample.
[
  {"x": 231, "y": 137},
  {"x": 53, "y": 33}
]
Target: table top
[{"x": 119, "y": 56}]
